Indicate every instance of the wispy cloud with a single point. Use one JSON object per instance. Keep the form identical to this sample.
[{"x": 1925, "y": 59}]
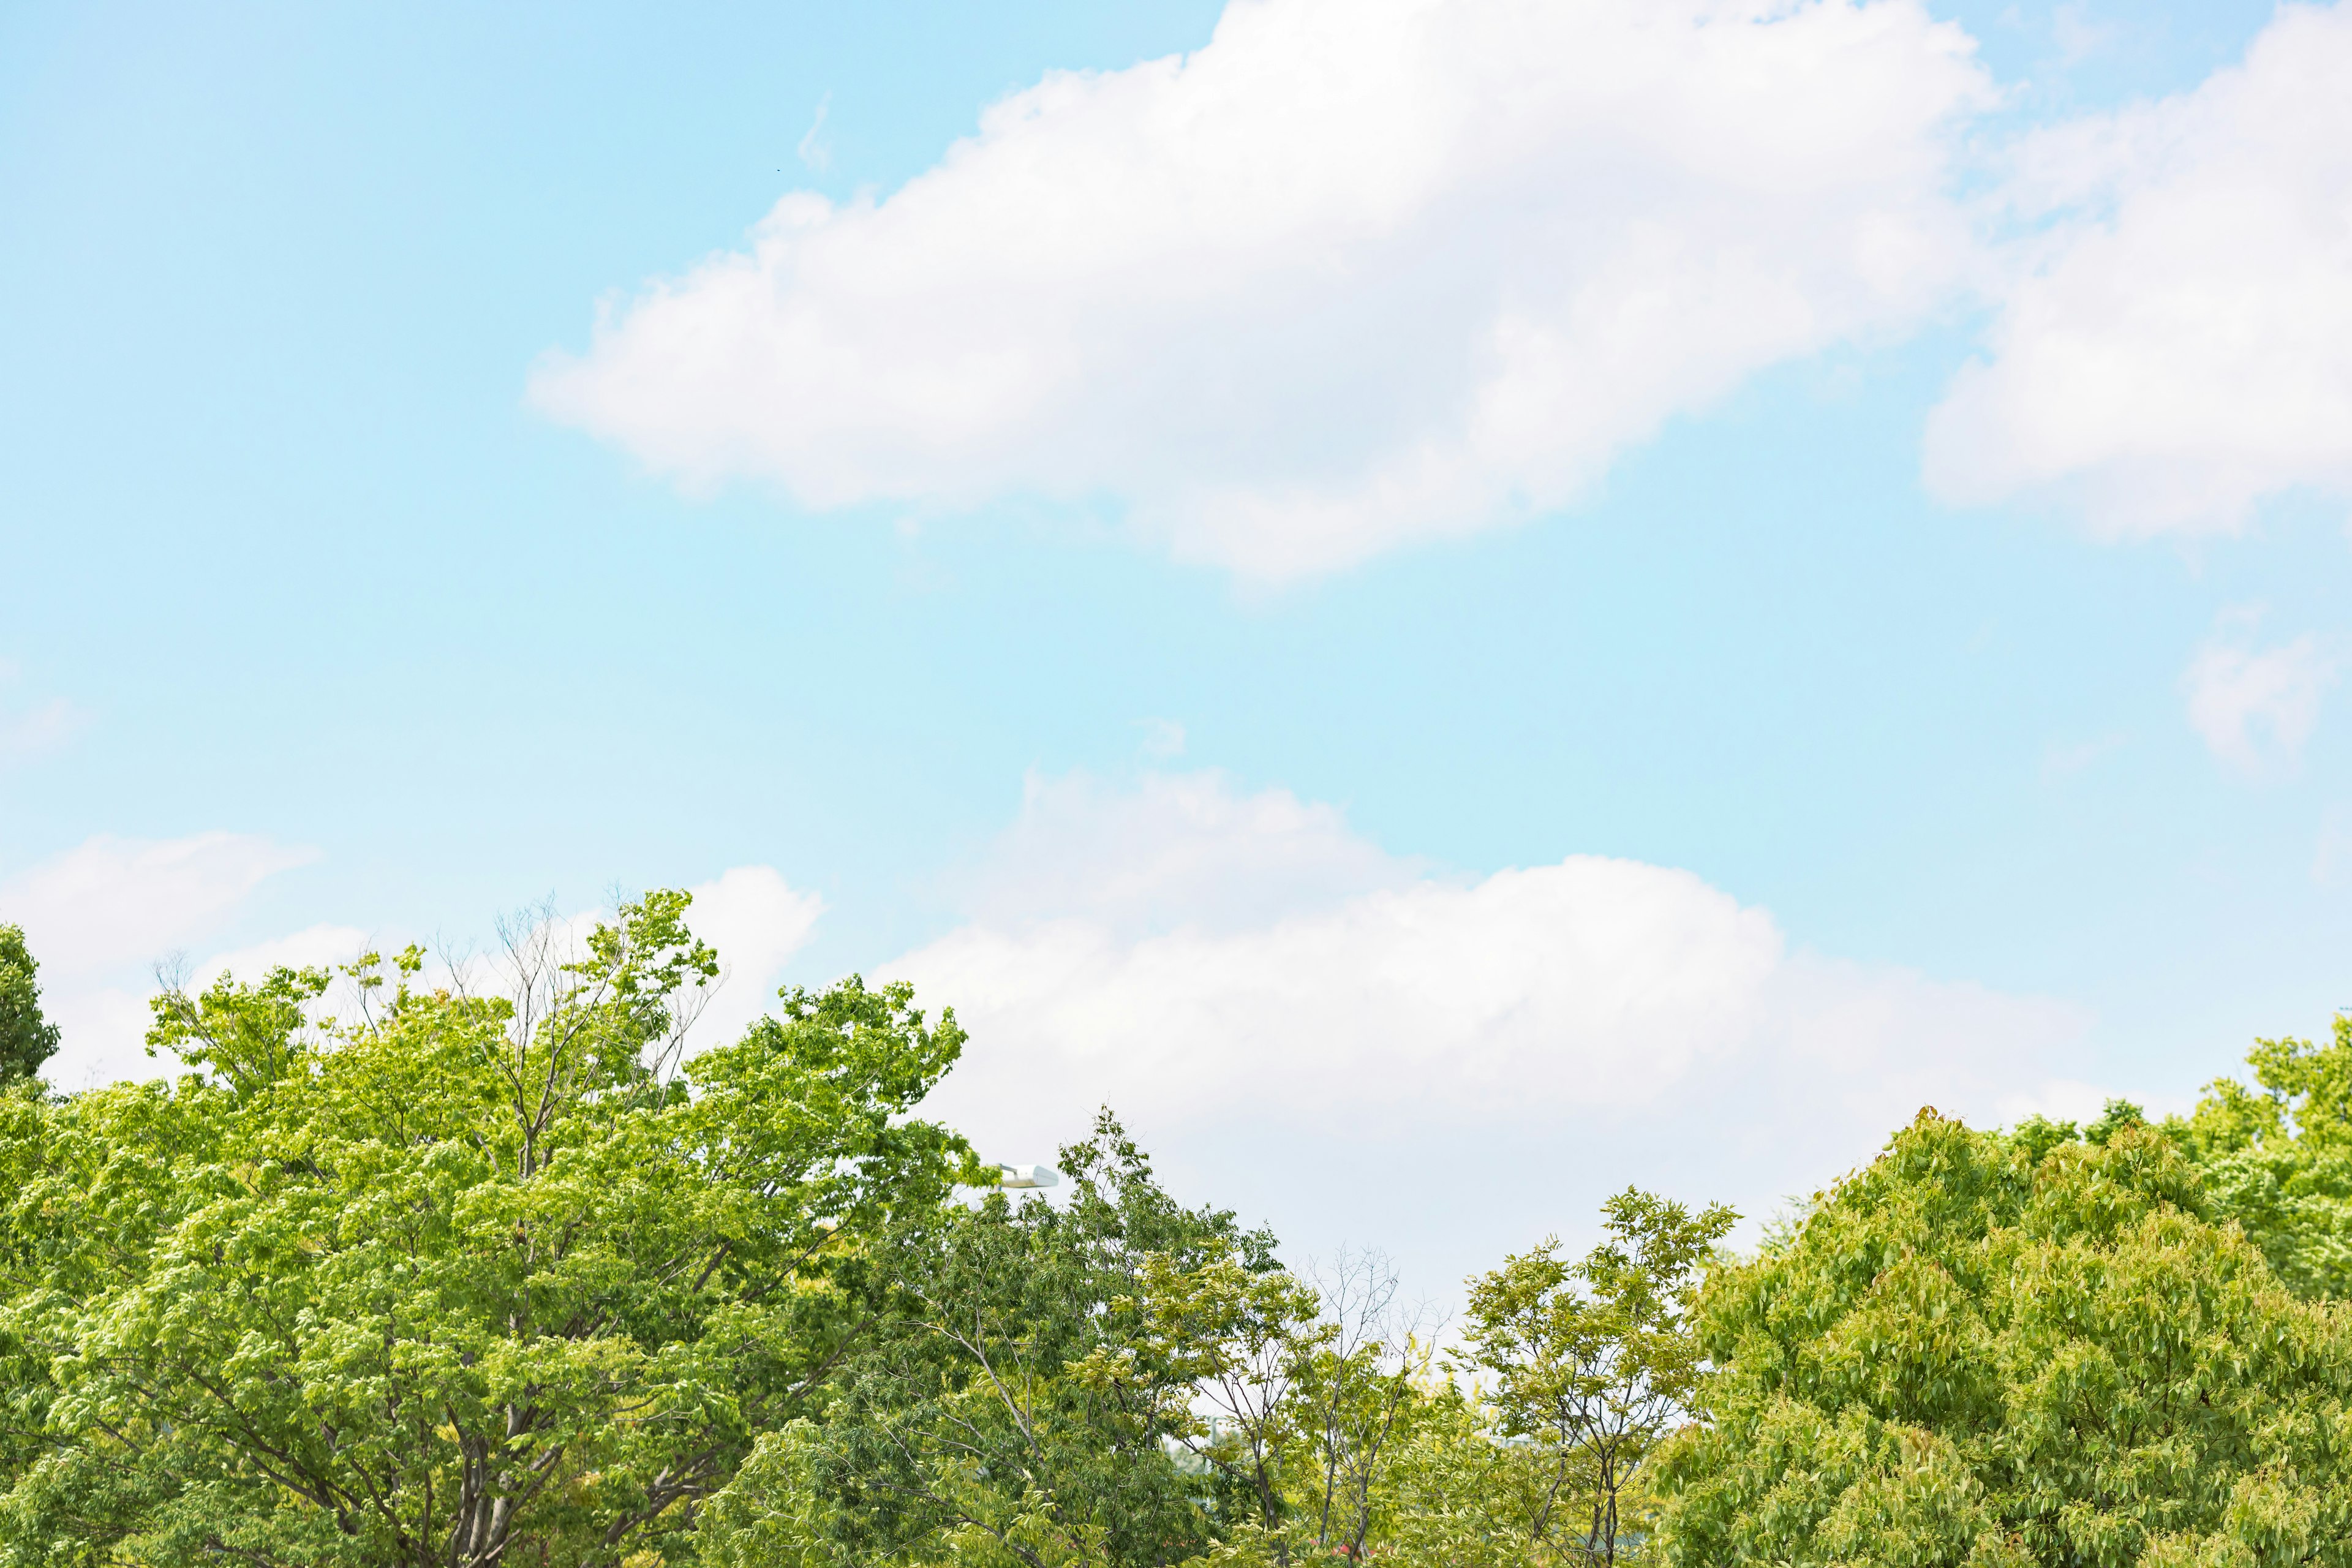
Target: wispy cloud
[
  {"x": 29, "y": 730},
  {"x": 2256, "y": 706},
  {"x": 38, "y": 731},
  {"x": 1163, "y": 739},
  {"x": 814, "y": 150}
]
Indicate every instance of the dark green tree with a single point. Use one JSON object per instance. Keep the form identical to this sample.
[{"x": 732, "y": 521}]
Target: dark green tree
[
  {"x": 27, "y": 1038},
  {"x": 1026, "y": 1403}
]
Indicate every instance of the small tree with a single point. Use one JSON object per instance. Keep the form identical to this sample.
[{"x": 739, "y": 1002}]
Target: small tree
[
  {"x": 1359, "y": 1380},
  {"x": 1591, "y": 1363},
  {"x": 27, "y": 1038}
]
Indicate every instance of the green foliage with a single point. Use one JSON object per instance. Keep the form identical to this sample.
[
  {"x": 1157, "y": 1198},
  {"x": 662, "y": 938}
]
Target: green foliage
[
  {"x": 27, "y": 1038},
  {"x": 1592, "y": 1363},
  {"x": 1459, "y": 1493},
  {"x": 468, "y": 1279},
  {"x": 1360, "y": 1389},
  {"x": 2001, "y": 1349},
  {"x": 2277, "y": 1158},
  {"x": 459, "y": 1279},
  {"x": 1030, "y": 1397}
]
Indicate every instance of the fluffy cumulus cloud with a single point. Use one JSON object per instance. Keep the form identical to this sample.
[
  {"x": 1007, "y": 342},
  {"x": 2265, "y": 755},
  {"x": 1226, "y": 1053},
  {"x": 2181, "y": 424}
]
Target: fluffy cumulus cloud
[
  {"x": 1244, "y": 959},
  {"x": 2256, "y": 706},
  {"x": 2179, "y": 345},
  {"x": 1592, "y": 982},
  {"x": 1356, "y": 273}
]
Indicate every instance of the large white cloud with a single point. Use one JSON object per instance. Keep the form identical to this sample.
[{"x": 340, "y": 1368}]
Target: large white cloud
[
  {"x": 2180, "y": 346},
  {"x": 1565, "y": 1026},
  {"x": 1354, "y": 273}
]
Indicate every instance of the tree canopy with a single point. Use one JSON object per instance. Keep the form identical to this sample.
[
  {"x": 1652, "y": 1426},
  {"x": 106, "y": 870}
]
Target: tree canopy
[
  {"x": 2010, "y": 1350},
  {"x": 2277, "y": 1157},
  {"x": 466, "y": 1265},
  {"x": 452, "y": 1278},
  {"x": 27, "y": 1038}
]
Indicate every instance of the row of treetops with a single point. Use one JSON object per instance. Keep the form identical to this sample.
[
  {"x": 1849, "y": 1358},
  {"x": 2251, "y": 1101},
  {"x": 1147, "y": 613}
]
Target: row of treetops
[{"x": 409, "y": 1268}]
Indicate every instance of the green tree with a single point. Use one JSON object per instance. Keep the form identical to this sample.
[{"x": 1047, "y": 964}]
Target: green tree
[
  {"x": 2277, "y": 1158},
  {"x": 1031, "y": 1397},
  {"x": 2010, "y": 1350},
  {"x": 27, "y": 1038},
  {"x": 1592, "y": 1363},
  {"x": 456, "y": 1279},
  {"x": 1358, "y": 1379}
]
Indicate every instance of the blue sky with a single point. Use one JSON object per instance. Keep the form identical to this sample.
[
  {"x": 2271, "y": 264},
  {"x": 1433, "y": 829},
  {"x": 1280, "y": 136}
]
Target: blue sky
[{"x": 1907, "y": 746}]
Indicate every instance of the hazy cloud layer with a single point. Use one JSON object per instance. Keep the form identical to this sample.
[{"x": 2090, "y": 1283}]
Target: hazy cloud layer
[
  {"x": 1283, "y": 1009},
  {"x": 1355, "y": 273},
  {"x": 100, "y": 917},
  {"x": 1317, "y": 982}
]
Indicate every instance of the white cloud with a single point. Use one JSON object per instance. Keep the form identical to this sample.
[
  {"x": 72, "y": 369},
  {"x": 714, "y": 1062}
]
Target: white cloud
[
  {"x": 314, "y": 947},
  {"x": 756, "y": 920},
  {"x": 2180, "y": 346},
  {"x": 1244, "y": 961},
  {"x": 1358, "y": 272},
  {"x": 749, "y": 915},
  {"x": 1174, "y": 850},
  {"x": 1589, "y": 982},
  {"x": 100, "y": 917},
  {"x": 113, "y": 902},
  {"x": 2255, "y": 707}
]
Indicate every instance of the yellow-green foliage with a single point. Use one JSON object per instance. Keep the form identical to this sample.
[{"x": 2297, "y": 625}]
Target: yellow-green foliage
[
  {"x": 1987, "y": 1349},
  {"x": 452, "y": 1281},
  {"x": 2277, "y": 1157}
]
